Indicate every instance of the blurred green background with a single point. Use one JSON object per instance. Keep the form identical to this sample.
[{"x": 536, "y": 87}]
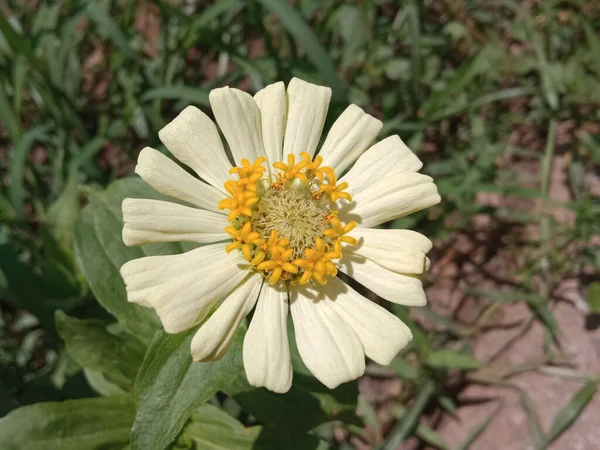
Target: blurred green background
[{"x": 499, "y": 98}]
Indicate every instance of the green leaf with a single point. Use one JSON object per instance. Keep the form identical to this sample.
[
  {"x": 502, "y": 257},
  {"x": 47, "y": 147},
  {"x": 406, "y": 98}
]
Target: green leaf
[
  {"x": 404, "y": 370},
  {"x": 295, "y": 24},
  {"x": 477, "y": 430},
  {"x": 18, "y": 43},
  {"x": 570, "y": 413},
  {"x": 535, "y": 429},
  {"x": 26, "y": 288},
  {"x": 190, "y": 94},
  {"x": 211, "y": 427},
  {"x": 87, "y": 152},
  {"x": 208, "y": 16},
  {"x": 448, "y": 404},
  {"x": 450, "y": 359},
  {"x": 592, "y": 144},
  {"x": 486, "y": 99},
  {"x": 63, "y": 213},
  {"x": 463, "y": 75},
  {"x": 593, "y": 297},
  {"x": 410, "y": 421},
  {"x": 100, "y": 253},
  {"x": 423, "y": 431},
  {"x": 94, "y": 423},
  {"x": 8, "y": 116},
  {"x": 109, "y": 28},
  {"x": 540, "y": 307},
  {"x": 117, "y": 354},
  {"x": 17, "y": 166},
  {"x": 307, "y": 404},
  {"x": 169, "y": 387}
]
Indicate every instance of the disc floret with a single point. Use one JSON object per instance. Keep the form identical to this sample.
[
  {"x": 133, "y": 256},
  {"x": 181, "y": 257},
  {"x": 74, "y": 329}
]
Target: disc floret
[{"x": 286, "y": 225}]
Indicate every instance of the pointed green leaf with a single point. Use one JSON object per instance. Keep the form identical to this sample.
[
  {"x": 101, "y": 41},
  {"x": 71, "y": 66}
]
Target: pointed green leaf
[
  {"x": 100, "y": 252},
  {"x": 450, "y": 359},
  {"x": 169, "y": 387},
  {"x": 570, "y": 413},
  {"x": 91, "y": 423},
  {"x": 117, "y": 354}
]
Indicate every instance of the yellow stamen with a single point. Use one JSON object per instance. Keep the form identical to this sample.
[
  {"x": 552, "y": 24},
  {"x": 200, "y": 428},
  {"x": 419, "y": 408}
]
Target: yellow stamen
[
  {"x": 338, "y": 231},
  {"x": 333, "y": 189},
  {"x": 279, "y": 262},
  {"x": 313, "y": 168},
  {"x": 317, "y": 263},
  {"x": 292, "y": 170},
  {"x": 268, "y": 235},
  {"x": 243, "y": 238}
]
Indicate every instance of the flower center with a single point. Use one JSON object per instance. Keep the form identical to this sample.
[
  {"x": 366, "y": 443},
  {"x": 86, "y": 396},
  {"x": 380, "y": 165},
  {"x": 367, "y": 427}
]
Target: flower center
[
  {"x": 286, "y": 225},
  {"x": 293, "y": 214}
]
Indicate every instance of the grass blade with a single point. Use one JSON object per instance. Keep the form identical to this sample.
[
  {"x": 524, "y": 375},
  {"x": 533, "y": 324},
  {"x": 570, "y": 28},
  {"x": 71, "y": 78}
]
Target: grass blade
[
  {"x": 295, "y": 24},
  {"x": 190, "y": 94},
  {"x": 569, "y": 414},
  {"x": 504, "y": 94},
  {"x": 18, "y": 43},
  {"x": 477, "y": 430},
  {"x": 17, "y": 167},
  {"x": 407, "y": 425},
  {"x": 424, "y": 432},
  {"x": 7, "y": 115},
  {"x": 109, "y": 28},
  {"x": 463, "y": 75},
  {"x": 535, "y": 429}
]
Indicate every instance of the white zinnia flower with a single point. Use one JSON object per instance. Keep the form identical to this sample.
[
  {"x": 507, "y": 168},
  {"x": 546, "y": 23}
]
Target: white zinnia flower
[{"x": 278, "y": 228}]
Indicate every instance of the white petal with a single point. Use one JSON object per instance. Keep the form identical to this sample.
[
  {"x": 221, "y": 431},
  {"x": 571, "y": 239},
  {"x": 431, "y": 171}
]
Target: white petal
[
  {"x": 165, "y": 176},
  {"x": 382, "y": 334},
  {"x": 307, "y": 109},
  {"x": 158, "y": 221},
  {"x": 327, "y": 344},
  {"x": 266, "y": 349},
  {"x": 348, "y": 138},
  {"x": 398, "y": 250},
  {"x": 183, "y": 288},
  {"x": 392, "y": 286},
  {"x": 390, "y": 197},
  {"x": 214, "y": 337},
  {"x": 389, "y": 155},
  {"x": 238, "y": 117},
  {"x": 272, "y": 104},
  {"x": 194, "y": 140}
]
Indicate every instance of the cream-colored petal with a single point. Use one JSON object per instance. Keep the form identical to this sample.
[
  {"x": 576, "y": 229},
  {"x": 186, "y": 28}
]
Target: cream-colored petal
[
  {"x": 214, "y": 337},
  {"x": 327, "y": 344},
  {"x": 165, "y": 176},
  {"x": 183, "y": 288},
  {"x": 194, "y": 140},
  {"x": 266, "y": 349},
  {"x": 238, "y": 117},
  {"x": 392, "y": 286},
  {"x": 159, "y": 221},
  {"x": 348, "y": 138},
  {"x": 390, "y": 197},
  {"x": 272, "y": 103},
  {"x": 307, "y": 109},
  {"x": 389, "y": 155},
  {"x": 382, "y": 334},
  {"x": 402, "y": 251}
]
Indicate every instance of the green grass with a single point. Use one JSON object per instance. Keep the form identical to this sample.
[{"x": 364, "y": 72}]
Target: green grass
[{"x": 85, "y": 85}]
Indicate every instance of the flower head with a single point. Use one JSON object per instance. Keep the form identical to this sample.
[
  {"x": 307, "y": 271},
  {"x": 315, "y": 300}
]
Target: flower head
[{"x": 281, "y": 223}]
